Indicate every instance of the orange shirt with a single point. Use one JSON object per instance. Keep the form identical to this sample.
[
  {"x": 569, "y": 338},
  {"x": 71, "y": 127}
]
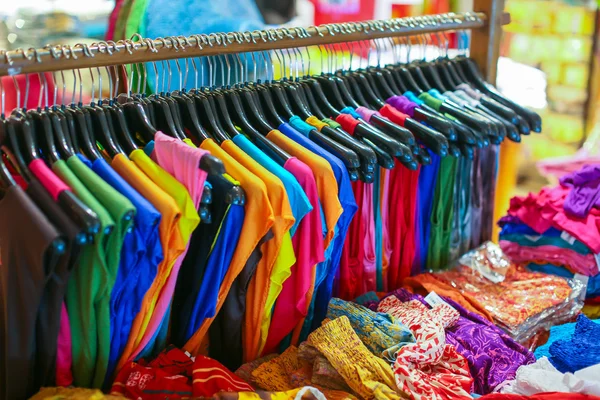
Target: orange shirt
[
  {"x": 263, "y": 279},
  {"x": 326, "y": 183},
  {"x": 258, "y": 221},
  {"x": 170, "y": 239}
]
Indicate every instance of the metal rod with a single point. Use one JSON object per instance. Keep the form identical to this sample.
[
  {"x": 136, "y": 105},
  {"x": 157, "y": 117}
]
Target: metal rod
[{"x": 56, "y": 58}]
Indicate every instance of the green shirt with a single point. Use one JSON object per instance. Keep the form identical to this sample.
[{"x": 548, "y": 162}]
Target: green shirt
[
  {"x": 442, "y": 214},
  {"x": 88, "y": 294}
]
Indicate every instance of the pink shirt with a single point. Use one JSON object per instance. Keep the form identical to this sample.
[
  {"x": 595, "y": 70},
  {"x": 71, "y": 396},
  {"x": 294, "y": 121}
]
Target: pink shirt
[
  {"x": 584, "y": 264},
  {"x": 64, "y": 356},
  {"x": 545, "y": 209},
  {"x": 51, "y": 182},
  {"x": 293, "y": 301},
  {"x": 369, "y": 258},
  {"x": 387, "y": 247},
  {"x": 181, "y": 161}
]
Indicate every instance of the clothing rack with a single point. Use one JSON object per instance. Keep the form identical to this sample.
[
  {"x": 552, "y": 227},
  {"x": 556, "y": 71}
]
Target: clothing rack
[{"x": 139, "y": 49}]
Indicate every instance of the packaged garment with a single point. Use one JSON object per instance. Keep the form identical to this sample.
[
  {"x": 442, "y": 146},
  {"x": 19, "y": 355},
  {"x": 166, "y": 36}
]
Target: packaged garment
[{"x": 520, "y": 302}]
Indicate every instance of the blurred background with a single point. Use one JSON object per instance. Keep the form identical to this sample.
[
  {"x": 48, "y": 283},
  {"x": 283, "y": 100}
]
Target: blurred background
[{"x": 549, "y": 54}]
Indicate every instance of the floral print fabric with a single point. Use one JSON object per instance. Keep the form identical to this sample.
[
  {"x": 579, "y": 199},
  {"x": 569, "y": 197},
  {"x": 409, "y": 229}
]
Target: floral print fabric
[
  {"x": 381, "y": 333},
  {"x": 493, "y": 356},
  {"x": 429, "y": 369}
]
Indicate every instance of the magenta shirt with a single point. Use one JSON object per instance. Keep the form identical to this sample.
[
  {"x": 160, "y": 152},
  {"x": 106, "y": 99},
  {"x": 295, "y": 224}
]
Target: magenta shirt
[{"x": 293, "y": 301}]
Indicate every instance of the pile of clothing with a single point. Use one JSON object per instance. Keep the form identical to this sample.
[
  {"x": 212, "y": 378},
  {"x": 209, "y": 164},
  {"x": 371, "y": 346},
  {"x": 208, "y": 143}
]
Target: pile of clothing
[
  {"x": 556, "y": 231},
  {"x": 569, "y": 362}
]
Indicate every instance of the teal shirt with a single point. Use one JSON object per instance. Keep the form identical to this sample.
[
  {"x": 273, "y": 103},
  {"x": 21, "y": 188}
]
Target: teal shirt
[{"x": 298, "y": 201}]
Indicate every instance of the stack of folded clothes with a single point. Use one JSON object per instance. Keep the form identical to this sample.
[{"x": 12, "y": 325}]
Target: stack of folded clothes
[{"x": 557, "y": 231}]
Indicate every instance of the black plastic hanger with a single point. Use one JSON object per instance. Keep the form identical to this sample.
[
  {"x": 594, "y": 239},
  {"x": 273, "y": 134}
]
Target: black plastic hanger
[
  {"x": 471, "y": 70},
  {"x": 43, "y": 126}
]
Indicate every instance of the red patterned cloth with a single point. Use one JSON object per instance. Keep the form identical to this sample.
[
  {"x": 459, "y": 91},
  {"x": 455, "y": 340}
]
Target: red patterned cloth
[{"x": 429, "y": 369}]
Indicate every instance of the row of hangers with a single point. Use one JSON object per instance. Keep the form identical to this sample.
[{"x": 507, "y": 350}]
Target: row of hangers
[{"x": 124, "y": 122}]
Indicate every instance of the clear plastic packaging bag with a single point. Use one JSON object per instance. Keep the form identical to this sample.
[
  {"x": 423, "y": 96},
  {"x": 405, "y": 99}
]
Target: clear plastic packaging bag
[{"x": 521, "y": 302}]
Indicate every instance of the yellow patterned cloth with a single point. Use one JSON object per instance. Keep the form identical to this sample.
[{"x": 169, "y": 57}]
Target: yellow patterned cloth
[
  {"x": 367, "y": 375},
  {"x": 60, "y": 393}
]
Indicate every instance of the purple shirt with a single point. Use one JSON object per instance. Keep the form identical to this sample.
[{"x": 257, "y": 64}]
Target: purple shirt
[{"x": 585, "y": 190}]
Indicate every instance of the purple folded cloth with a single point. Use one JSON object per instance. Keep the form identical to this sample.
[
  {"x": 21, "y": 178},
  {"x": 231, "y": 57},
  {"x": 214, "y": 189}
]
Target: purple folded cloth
[
  {"x": 492, "y": 355},
  {"x": 509, "y": 219},
  {"x": 585, "y": 191}
]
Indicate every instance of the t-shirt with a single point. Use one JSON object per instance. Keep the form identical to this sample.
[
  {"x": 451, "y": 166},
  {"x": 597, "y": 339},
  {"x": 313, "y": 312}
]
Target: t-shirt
[
  {"x": 349, "y": 207},
  {"x": 182, "y": 162},
  {"x": 325, "y": 179},
  {"x": 278, "y": 255},
  {"x": 88, "y": 292},
  {"x": 170, "y": 239},
  {"x": 138, "y": 267},
  {"x": 292, "y": 304},
  {"x": 258, "y": 221},
  {"x": 29, "y": 252},
  {"x": 298, "y": 200},
  {"x": 186, "y": 224}
]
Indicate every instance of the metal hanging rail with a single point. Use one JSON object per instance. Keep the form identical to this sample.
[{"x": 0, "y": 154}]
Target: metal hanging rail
[{"x": 138, "y": 49}]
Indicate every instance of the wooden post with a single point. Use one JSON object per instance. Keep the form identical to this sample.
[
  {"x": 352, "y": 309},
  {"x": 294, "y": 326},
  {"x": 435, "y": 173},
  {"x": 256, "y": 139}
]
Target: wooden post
[{"x": 485, "y": 41}]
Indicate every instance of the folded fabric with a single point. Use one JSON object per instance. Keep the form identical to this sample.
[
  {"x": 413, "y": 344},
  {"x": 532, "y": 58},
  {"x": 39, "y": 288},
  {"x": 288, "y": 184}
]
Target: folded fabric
[
  {"x": 381, "y": 333},
  {"x": 544, "y": 210},
  {"x": 492, "y": 355},
  {"x": 513, "y": 225},
  {"x": 581, "y": 350},
  {"x": 579, "y": 263},
  {"x": 369, "y": 376},
  {"x": 585, "y": 190},
  {"x": 429, "y": 368},
  {"x": 535, "y": 239},
  {"x": 542, "y": 377},
  {"x": 521, "y": 296}
]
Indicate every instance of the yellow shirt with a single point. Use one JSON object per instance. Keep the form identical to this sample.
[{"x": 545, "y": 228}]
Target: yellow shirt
[
  {"x": 277, "y": 260},
  {"x": 186, "y": 224}
]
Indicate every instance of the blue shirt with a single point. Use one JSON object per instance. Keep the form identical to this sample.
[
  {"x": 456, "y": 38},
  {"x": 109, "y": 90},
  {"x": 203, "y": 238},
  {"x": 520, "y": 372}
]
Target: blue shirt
[
  {"x": 216, "y": 267},
  {"x": 298, "y": 201},
  {"x": 427, "y": 182}
]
